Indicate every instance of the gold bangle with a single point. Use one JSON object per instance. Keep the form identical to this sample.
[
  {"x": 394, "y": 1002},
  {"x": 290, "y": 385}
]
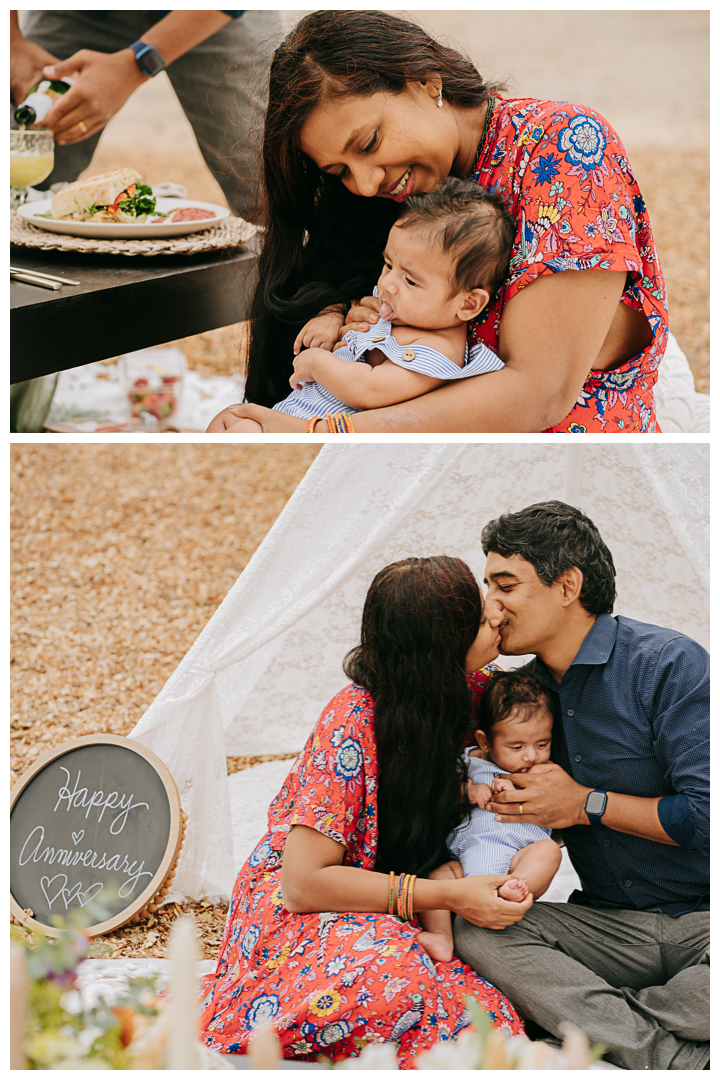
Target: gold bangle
[
  {"x": 411, "y": 894},
  {"x": 406, "y": 883},
  {"x": 400, "y": 900}
]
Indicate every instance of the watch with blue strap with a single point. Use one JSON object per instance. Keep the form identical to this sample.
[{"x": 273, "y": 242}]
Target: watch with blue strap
[
  {"x": 595, "y": 805},
  {"x": 149, "y": 59}
]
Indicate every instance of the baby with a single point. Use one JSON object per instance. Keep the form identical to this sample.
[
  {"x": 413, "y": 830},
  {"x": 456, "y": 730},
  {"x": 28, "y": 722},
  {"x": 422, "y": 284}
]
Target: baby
[
  {"x": 515, "y": 719},
  {"x": 446, "y": 256}
]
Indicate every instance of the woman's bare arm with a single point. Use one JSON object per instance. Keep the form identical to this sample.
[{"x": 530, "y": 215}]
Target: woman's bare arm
[
  {"x": 551, "y": 335},
  {"x": 314, "y": 879}
]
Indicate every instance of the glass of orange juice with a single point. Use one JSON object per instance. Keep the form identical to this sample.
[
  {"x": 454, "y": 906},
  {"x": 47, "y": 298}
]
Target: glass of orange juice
[{"x": 32, "y": 156}]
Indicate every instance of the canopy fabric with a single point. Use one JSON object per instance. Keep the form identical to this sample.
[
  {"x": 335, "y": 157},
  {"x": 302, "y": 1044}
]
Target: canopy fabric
[{"x": 270, "y": 658}]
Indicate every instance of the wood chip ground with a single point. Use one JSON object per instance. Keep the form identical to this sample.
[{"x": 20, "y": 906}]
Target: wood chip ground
[{"x": 120, "y": 555}]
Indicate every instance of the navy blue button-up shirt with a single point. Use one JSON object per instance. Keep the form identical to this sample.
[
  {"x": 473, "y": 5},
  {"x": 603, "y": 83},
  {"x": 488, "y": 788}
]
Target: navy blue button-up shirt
[{"x": 635, "y": 712}]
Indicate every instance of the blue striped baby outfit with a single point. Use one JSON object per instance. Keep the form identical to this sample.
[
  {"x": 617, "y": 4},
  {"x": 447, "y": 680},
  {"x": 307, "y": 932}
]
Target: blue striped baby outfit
[
  {"x": 482, "y": 844},
  {"x": 312, "y": 399}
]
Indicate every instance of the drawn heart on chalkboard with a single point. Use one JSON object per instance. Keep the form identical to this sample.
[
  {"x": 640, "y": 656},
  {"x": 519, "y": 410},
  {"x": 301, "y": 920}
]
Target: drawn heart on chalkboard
[
  {"x": 71, "y": 894},
  {"x": 77, "y": 836},
  {"x": 46, "y": 883},
  {"x": 90, "y": 893},
  {"x": 82, "y": 898}
]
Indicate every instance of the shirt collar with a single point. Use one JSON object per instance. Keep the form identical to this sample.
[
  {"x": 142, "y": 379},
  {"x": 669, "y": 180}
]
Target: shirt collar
[{"x": 597, "y": 644}]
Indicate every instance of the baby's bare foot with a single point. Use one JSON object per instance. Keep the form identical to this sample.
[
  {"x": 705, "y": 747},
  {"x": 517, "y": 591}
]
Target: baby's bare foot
[
  {"x": 437, "y": 946},
  {"x": 515, "y": 890}
]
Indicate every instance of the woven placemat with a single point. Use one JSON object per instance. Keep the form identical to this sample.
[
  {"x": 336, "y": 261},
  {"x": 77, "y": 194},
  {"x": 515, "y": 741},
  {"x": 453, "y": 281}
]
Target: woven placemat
[{"x": 231, "y": 232}]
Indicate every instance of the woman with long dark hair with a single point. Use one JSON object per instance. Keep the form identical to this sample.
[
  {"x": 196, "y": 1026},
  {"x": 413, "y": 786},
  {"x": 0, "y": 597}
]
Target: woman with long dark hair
[
  {"x": 366, "y": 109},
  {"x": 322, "y": 937}
]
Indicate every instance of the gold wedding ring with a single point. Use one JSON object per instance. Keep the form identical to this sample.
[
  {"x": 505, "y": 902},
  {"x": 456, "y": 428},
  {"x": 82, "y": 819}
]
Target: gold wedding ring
[
  {"x": 521, "y": 808},
  {"x": 83, "y": 128}
]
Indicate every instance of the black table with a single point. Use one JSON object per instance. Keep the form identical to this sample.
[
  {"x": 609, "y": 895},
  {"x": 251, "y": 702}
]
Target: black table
[{"x": 123, "y": 303}]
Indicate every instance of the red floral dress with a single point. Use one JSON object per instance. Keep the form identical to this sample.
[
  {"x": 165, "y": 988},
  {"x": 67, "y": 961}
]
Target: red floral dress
[
  {"x": 329, "y": 979},
  {"x": 565, "y": 177}
]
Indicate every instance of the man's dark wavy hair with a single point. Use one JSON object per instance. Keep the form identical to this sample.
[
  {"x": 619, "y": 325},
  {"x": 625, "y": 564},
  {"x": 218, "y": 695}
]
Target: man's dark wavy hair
[
  {"x": 420, "y": 618},
  {"x": 508, "y": 690},
  {"x": 553, "y": 537}
]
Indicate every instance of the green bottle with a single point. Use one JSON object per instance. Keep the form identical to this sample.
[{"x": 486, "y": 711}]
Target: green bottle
[{"x": 40, "y": 101}]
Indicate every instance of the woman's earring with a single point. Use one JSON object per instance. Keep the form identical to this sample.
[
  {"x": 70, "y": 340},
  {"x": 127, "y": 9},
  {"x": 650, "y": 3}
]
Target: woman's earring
[{"x": 440, "y": 100}]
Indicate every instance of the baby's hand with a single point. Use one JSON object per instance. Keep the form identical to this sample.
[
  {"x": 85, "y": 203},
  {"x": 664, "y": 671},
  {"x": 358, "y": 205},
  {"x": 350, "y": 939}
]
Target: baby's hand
[
  {"x": 501, "y": 783},
  {"x": 322, "y": 332},
  {"x": 302, "y": 369},
  {"x": 479, "y": 794}
]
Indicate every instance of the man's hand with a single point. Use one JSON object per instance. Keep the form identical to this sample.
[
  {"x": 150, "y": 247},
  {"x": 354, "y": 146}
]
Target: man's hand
[
  {"x": 26, "y": 67},
  {"x": 549, "y": 797},
  {"x": 104, "y": 82}
]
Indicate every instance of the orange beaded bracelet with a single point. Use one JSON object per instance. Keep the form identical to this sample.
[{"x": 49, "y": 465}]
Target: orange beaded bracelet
[{"x": 391, "y": 897}]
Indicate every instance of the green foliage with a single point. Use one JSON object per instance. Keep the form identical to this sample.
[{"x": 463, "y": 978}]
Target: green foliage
[
  {"x": 61, "y": 1033},
  {"x": 480, "y": 1020},
  {"x": 139, "y": 992},
  {"x": 142, "y": 201},
  {"x": 596, "y": 1052}
]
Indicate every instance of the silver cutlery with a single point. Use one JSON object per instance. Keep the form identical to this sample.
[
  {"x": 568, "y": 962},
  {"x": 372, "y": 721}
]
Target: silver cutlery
[
  {"x": 30, "y": 279},
  {"x": 15, "y": 270}
]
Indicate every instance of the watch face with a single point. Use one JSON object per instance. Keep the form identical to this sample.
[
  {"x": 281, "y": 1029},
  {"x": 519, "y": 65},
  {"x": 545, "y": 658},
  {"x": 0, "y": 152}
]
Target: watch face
[
  {"x": 595, "y": 802},
  {"x": 151, "y": 61}
]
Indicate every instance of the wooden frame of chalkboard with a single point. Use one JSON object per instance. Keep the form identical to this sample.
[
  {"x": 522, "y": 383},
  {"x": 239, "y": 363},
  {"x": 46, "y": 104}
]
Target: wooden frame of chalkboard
[{"x": 158, "y": 887}]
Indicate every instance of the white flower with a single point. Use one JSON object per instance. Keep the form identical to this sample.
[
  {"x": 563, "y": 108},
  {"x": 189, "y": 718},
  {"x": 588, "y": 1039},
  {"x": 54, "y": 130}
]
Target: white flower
[
  {"x": 575, "y": 1047},
  {"x": 461, "y": 1053},
  {"x": 374, "y": 1056}
]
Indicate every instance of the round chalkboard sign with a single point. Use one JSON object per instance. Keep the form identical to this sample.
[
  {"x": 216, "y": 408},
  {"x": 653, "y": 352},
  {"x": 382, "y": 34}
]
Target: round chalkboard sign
[{"x": 96, "y": 819}]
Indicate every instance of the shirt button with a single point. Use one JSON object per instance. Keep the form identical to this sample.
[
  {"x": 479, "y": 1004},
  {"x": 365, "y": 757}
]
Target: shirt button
[
  {"x": 578, "y": 757},
  {"x": 571, "y": 712},
  {"x": 408, "y": 355},
  {"x": 378, "y": 339},
  {"x": 628, "y": 884}
]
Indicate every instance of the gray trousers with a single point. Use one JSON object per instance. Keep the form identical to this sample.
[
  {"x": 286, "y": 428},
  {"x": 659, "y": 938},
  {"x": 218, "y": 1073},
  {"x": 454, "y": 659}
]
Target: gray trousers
[
  {"x": 638, "y": 981},
  {"x": 221, "y": 85}
]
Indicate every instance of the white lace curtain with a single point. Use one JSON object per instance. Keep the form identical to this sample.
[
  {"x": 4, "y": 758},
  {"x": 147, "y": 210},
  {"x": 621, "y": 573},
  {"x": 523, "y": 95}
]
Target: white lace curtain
[{"x": 270, "y": 658}]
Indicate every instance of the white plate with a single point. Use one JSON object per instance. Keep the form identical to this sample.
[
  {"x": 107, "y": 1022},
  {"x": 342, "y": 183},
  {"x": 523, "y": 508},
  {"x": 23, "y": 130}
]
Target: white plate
[{"x": 110, "y": 231}]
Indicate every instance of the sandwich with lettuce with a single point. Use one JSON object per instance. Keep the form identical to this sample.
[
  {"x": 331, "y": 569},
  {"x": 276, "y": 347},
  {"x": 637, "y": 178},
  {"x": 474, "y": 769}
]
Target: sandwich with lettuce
[{"x": 120, "y": 196}]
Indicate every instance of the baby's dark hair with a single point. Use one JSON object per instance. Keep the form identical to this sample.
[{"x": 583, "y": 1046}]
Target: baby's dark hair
[
  {"x": 469, "y": 223},
  {"x": 506, "y": 691}
]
